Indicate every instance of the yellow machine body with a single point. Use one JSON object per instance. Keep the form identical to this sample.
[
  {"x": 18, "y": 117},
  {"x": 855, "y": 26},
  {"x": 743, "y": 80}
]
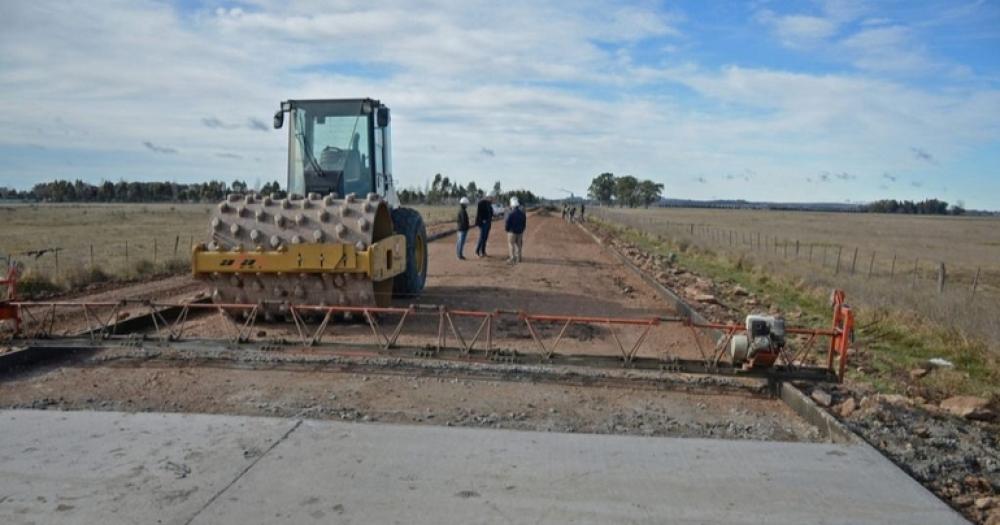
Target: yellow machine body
[{"x": 382, "y": 260}]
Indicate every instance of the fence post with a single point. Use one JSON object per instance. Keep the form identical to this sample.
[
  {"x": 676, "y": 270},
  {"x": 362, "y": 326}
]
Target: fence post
[
  {"x": 91, "y": 256},
  {"x": 824, "y": 255},
  {"x": 126, "y": 255},
  {"x": 871, "y": 265},
  {"x": 811, "y": 252},
  {"x": 784, "y": 247},
  {"x": 942, "y": 276},
  {"x": 796, "y": 248},
  {"x": 840, "y": 249},
  {"x": 177, "y": 242},
  {"x": 57, "y": 261},
  {"x": 155, "y": 250},
  {"x": 854, "y": 261},
  {"x": 758, "y": 241},
  {"x": 892, "y": 270},
  {"x": 915, "y": 268},
  {"x": 975, "y": 282}
]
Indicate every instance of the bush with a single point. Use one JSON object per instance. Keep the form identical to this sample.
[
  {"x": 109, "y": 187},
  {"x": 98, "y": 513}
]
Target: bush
[
  {"x": 33, "y": 285},
  {"x": 83, "y": 277},
  {"x": 144, "y": 268},
  {"x": 176, "y": 266}
]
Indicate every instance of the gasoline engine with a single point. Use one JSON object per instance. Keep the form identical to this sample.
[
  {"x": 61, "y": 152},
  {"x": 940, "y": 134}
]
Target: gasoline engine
[{"x": 762, "y": 343}]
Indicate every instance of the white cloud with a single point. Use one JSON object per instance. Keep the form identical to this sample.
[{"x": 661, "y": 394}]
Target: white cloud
[
  {"x": 889, "y": 48},
  {"x": 799, "y": 30},
  {"x": 534, "y": 83}
]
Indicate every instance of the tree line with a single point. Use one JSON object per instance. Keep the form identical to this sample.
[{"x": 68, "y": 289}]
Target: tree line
[
  {"x": 624, "y": 191},
  {"x": 442, "y": 190},
  {"x": 924, "y": 207},
  {"x": 122, "y": 191}
]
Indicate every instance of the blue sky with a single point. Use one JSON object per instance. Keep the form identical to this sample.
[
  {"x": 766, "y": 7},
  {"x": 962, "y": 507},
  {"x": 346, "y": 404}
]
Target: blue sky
[{"x": 808, "y": 100}]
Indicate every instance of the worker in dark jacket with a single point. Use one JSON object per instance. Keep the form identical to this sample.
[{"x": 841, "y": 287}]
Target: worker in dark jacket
[
  {"x": 484, "y": 219},
  {"x": 463, "y": 226},
  {"x": 515, "y": 224}
]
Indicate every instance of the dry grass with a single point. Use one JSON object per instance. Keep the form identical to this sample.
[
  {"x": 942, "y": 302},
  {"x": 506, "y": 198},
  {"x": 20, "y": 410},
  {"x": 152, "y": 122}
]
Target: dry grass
[
  {"x": 897, "y": 331},
  {"x": 437, "y": 214},
  {"x": 963, "y": 243},
  {"x": 958, "y": 241},
  {"x": 158, "y": 239}
]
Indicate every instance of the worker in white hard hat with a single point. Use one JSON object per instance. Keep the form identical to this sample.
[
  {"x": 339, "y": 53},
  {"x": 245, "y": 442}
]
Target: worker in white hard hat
[
  {"x": 514, "y": 225},
  {"x": 463, "y": 226}
]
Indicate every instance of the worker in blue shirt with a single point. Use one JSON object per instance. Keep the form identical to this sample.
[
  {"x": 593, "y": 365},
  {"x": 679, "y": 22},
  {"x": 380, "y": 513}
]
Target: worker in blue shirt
[{"x": 514, "y": 225}]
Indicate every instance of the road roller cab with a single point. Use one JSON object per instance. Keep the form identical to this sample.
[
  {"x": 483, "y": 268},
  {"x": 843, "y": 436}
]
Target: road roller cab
[{"x": 338, "y": 146}]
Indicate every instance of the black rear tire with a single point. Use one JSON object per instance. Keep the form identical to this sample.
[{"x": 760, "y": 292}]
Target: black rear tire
[{"x": 408, "y": 222}]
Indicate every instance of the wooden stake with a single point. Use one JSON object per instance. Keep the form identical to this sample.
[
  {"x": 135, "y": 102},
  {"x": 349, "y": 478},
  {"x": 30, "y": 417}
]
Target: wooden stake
[
  {"x": 840, "y": 250},
  {"x": 871, "y": 265},
  {"x": 975, "y": 283},
  {"x": 942, "y": 276},
  {"x": 892, "y": 271},
  {"x": 854, "y": 261},
  {"x": 915, "y": 264},
  {"x": 91, "y": 256}
]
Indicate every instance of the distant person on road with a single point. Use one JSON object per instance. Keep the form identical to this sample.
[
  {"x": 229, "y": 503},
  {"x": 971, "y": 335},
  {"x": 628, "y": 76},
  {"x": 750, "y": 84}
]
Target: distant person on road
[
  {"x": 564, "y": 211},
  {"x": 515, "y": 224},
  {"x": 572, "y": 214},
  {"x": 484, "y": 219},
  {"x": 581, "y": 211},
  {"x": 463, "y": 226}
]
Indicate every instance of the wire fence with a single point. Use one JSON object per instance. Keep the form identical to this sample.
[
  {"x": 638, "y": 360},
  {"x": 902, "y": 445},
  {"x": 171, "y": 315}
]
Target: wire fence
[
  {"x": 111, "y": 259},
  {"x": 963, "y": 297}
]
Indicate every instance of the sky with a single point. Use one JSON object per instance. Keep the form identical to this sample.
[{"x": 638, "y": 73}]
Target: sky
[{"x": 826, "y": 100}]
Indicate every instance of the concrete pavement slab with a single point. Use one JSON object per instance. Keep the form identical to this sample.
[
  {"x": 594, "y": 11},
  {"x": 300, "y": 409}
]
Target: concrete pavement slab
[
  {"x": 93, "y": 467},
  {"x": 355, "y": 473},
  {"x": 112, "y": 467}
]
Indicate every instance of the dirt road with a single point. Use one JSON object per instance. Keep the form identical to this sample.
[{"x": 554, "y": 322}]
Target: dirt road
[{"x": 563, "y": 271}]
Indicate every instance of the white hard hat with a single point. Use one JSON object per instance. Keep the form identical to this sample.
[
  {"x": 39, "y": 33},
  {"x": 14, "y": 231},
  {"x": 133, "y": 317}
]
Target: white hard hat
[
  {"x": 463, "y": 200},
  {"x": 514, "y": 202}
]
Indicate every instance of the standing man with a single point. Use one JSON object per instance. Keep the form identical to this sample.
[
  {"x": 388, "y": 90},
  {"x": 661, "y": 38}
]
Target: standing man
[
  {"x": 515, "y": 224},
  {"x": 582, "y": 209},
  {"x": 463, "y": 226},
  {"x": 484, "y": 219},
  {"x": 572, "y": 214}
]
